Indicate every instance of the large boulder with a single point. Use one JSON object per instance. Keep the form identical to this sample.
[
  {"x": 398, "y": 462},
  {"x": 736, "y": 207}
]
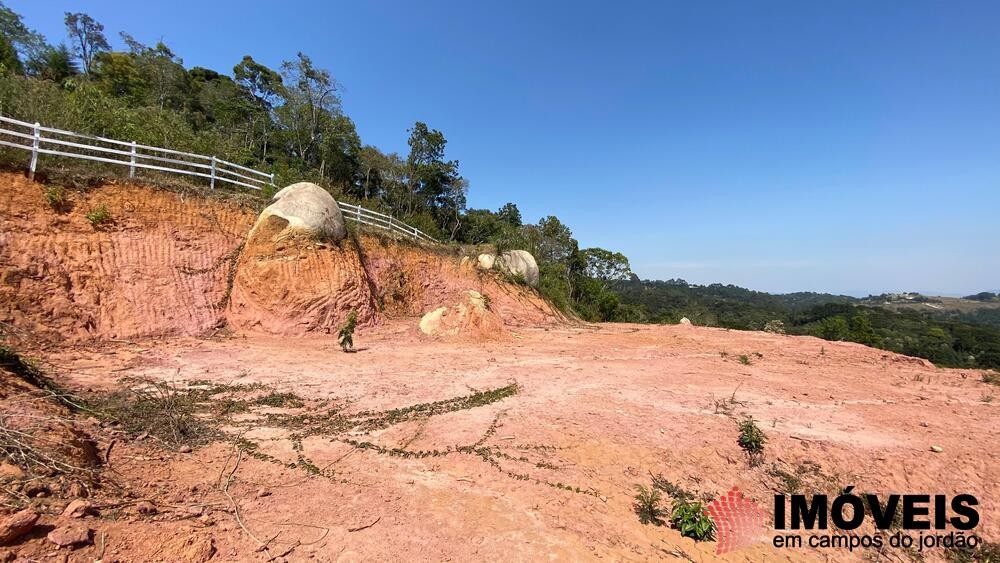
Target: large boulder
[
  {"x": 471, "y": 318},
  {"x": 518, "y": 263},
  {"x": 302, "y": 209}
]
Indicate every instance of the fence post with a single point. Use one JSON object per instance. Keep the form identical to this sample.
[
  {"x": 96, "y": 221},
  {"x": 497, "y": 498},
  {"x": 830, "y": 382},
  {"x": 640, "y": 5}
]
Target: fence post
[
  {"x": 359, "y": 213},
  {"x": 131, "y": 166},
  {"x": 213, "y": 172},
  {"x": 34, "y": 151},
  {"x": 272, "y": 179}
]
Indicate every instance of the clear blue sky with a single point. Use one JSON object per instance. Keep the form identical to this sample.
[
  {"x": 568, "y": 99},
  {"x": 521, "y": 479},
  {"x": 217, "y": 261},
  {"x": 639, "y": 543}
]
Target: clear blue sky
[{"x": 830, "y": 146}]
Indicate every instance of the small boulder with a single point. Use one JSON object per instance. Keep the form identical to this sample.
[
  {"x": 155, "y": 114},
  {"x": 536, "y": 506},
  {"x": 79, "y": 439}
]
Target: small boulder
[
  {"x": 70, "y": 535},
  {"x": 685, "y": 321},
  {"x": 937, "y": 449},
  {"x": 485, "y": 261},
  {"x": 16, "y": 525},
  {"x": 145, "y": 508},
  {"x": 185, "y": 449},
  {"x": 514, "y": 262},
  {"x": 9, "y": 471},
  {"x": 78, "y": 509}
]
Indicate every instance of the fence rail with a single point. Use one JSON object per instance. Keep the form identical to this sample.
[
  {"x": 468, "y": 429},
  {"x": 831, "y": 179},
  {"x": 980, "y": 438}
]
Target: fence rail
[
  {"x": 57, "y": 142},
  {"x": 382, "y": 221}
]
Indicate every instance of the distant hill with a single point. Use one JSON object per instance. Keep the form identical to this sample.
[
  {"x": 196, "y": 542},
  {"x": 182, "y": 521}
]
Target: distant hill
[
  {"x": 946, "y": 330},
  {"x": 982, "y": 308}
]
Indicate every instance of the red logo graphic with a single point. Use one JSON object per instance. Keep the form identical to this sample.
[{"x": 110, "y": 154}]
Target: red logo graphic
[{"x": 739, "y": 521}]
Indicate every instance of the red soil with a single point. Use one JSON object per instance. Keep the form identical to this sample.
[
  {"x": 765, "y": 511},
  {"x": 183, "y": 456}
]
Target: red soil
[
  {"x": 163, "y": 269},
  {"x": 597, "y": 407}
]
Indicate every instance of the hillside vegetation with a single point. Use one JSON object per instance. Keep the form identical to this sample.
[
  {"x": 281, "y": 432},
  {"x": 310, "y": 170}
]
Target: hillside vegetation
[
  {"x": 290, "y": 120},
  {"x": 946, "y": 337}
]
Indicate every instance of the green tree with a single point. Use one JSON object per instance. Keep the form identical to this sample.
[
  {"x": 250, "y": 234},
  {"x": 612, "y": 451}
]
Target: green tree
[
  {"x": 833, "y": 328},
  {"x": 434, "y": 183},
  {"x": 863, "y": 332},
  {"x": 310, "y": 106},
  {"x": 26, "y": 42},
  {"x": 510, "y": 214},
  {"x": 605, "y": 265},
  {"x": 266, "y": 90},
  {"x": 8, "y": 58},
  {"x": 53, "y": 63},
  {"x": 87, "y": 36}
]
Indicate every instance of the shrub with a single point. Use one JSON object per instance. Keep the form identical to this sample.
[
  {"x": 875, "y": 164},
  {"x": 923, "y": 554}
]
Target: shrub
[
  {"x": 775, "y": 326},
  {"x": 692, "y": 520},
  {"x": 346, "y": 335},
  {"x": 744, "y": 359},
  {"x": 57, "y": 199},
  {"x": 99, "y": 216},
  {"x": 752, "y": 439},
  {"x": 647, "y": 506}
]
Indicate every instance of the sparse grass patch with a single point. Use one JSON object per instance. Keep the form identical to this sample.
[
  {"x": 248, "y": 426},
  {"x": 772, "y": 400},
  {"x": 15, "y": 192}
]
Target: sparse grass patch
[
  {"x": 58, "y": 199},
  {"x": 675, "y": 491},
  {"x": 275, "y": 399},
  {"x": 993, "y": 378},
  {"x": 744, "y": 359},
  {"x": 99, "y": 216},
  {"x": 791, "y": 483},
  {"x": 158, "y": 409},
  {"x": 986, "y": 552}
]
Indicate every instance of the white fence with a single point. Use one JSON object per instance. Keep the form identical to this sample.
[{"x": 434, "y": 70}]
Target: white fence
[
  {"x": 382, "y": 221},
  {"x": 46, "y": 140},
  {"x": 56, "y": 142}
]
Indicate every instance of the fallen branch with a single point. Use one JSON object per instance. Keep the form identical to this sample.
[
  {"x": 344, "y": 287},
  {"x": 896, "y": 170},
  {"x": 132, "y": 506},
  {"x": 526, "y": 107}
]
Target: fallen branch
[{"x": 358, "y": 529}]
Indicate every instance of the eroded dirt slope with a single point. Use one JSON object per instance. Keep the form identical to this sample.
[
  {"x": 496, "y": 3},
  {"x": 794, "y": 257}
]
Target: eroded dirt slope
[
  {"x": 159, "y": 269},
  {"x": 173, "y": 264}
]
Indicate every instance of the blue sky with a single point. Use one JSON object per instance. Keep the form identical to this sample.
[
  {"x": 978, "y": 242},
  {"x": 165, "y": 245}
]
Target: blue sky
[{"x": 830, "y": 146}]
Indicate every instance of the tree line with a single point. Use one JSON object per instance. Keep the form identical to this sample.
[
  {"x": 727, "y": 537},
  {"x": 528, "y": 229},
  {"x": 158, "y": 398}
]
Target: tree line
[
  {"x": 952, "y": 339},
  {"x": 289, "y": 120}
]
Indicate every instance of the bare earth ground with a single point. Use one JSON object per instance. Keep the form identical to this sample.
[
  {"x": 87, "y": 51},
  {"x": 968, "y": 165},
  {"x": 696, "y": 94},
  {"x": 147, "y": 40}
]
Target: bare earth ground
[{"x": 598, "y": 408}]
